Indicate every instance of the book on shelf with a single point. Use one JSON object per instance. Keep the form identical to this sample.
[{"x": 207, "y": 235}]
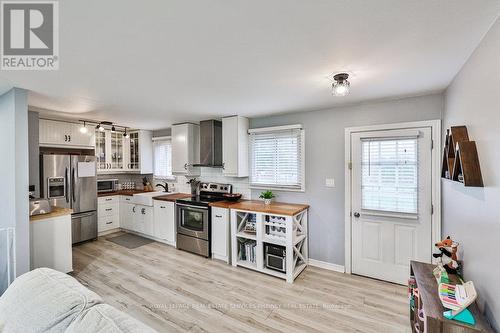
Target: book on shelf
[{"x": 248, "y": 251}]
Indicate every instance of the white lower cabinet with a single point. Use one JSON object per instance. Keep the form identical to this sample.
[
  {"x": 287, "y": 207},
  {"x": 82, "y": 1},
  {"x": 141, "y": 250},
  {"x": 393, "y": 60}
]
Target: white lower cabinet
[
  {"x": 108, "y": 213},
  {"x": 51, "y": 243},
  {"x": 127, "y": 212},
  {"x": 143, "y": 220},
  {"x": 164, "y": 222},
  {"x": 220, "y": 234},
  {"x": 158, "y": 221}
]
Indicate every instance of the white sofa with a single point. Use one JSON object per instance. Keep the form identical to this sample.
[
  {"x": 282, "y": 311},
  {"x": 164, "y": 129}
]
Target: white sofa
[{"x": 45, "y": 300}]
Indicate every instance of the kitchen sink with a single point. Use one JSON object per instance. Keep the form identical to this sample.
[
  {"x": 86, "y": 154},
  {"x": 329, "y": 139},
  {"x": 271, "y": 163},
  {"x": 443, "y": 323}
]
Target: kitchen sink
[{"x": 146, "y": 199}]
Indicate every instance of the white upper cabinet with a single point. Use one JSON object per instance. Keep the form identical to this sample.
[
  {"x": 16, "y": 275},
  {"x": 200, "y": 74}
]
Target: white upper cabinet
[
  {"x": 115, "y": 153},
  {"x": 185, "y": 149},
  {"x": 235, "y": 146},
  {"x": 55, "y": 133}
]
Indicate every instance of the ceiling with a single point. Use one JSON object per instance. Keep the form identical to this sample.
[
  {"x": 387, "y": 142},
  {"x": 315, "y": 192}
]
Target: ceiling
[{"x": 150, "y": 64}]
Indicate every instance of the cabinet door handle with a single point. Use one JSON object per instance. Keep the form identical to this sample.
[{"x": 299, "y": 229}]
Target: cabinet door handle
[
  {"x": 143, "y": 211},
  {"x": 111, "y": 222},
  {"x": 65, "y": 138},
  {"x": 69, "y": 138},
  {"x": 109, "y": 199},
  {"x": 218, "y": 216},
  {"x": 185, "y": 166},
  {"x": 109, "y": 209},
  {"x": 133, "y": 209},
  {"x": 223, "y": 166},
  {"x": 163, "y": 207}
]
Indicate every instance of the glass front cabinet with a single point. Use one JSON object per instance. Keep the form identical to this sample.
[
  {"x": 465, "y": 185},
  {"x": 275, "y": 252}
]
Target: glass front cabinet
[
  {"x": 116, "y": 153},
  {"x": 134, "y": 158}
]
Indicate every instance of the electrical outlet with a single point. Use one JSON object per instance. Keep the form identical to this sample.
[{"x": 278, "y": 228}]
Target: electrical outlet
[{"x": 330, "y": 182}]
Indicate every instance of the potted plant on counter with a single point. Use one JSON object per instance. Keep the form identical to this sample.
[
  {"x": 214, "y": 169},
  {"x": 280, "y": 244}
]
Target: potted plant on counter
[{"x": 267, "y": 196}]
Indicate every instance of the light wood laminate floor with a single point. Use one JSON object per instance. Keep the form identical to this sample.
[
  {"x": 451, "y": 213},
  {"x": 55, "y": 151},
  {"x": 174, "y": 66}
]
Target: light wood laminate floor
[{"x": 175, "y": 291}]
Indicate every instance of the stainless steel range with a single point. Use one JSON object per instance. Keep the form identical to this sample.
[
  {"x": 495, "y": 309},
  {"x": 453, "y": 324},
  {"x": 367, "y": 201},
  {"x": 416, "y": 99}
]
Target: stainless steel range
[{"x": 194, "y": 218}]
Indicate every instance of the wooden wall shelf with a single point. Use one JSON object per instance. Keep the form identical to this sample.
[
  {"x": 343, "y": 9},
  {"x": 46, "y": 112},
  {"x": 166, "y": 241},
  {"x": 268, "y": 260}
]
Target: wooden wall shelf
[{"x": 460, "y": 159}]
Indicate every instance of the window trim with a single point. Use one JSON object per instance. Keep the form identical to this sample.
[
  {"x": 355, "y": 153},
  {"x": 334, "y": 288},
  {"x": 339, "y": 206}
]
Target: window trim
[
  {"x": 162, "y": 139},
  {"x": 302, "y": 158}
]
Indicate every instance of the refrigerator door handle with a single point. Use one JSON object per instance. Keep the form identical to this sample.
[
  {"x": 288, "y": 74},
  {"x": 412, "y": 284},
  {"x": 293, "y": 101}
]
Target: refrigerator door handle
[
  {"x": 73, "y": 181},
  {"x": 66, "y": 183}
]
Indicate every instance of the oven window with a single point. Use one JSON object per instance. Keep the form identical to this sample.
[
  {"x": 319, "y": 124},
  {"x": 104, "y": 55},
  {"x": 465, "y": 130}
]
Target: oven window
[{"x": 192, "y": 220}]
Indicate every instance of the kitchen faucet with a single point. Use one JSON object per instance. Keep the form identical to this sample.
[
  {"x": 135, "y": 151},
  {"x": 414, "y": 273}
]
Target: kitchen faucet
[{"x": 165, "y": 187}]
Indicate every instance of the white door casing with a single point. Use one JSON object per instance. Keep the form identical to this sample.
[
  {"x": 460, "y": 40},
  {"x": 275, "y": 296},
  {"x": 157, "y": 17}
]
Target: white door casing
[{"x": 380, "y": 243}]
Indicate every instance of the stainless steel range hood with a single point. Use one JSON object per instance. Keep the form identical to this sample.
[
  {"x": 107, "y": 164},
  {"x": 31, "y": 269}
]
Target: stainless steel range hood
[{"x": 210, "y": 143}]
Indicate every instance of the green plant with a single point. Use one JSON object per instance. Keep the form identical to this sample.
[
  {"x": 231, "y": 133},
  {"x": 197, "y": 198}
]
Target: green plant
[{"x": 266, "y": 195}]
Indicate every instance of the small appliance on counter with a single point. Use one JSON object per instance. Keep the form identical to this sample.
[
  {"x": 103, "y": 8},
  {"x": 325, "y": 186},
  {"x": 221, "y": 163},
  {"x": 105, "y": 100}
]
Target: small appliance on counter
[
  {"x": 39, "y": 206},
  {"x": 275, "y": 257},
  {"x": 107, "y": 185}
]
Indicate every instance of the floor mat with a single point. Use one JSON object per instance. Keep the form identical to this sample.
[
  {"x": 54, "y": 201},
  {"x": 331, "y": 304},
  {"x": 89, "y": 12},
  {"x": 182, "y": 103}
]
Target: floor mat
[{"x": 130, "y": 241}]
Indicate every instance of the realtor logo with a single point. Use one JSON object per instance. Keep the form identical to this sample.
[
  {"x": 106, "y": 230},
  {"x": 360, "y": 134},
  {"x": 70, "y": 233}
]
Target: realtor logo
[{"x": 30, "y": 35}]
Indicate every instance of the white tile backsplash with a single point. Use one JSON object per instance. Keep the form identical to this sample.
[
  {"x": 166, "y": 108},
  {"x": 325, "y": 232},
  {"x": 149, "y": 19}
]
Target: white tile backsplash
[{"x": 214, "y": 175}]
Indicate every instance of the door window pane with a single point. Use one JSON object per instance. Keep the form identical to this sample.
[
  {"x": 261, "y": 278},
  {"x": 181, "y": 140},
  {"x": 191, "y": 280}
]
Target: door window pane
[{"x": 389, "y": 175}]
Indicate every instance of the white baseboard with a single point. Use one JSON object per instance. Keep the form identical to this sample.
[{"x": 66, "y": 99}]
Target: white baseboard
[{"x": 327, "y": 265}]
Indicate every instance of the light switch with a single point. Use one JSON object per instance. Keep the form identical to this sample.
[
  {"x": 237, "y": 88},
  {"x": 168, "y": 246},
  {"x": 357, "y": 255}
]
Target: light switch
[{"x": 330, "y": 182}]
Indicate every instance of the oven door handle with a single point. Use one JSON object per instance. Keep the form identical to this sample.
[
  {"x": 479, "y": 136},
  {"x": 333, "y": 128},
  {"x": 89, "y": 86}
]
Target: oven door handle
[{"x": 192, "y": 206}]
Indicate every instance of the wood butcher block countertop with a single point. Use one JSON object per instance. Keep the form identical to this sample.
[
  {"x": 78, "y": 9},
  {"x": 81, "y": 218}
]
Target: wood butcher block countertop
[
  {"x": 56, "y": 212},
  {"x": 279, "y": 208},
  {"x": 173, "y": 197}
]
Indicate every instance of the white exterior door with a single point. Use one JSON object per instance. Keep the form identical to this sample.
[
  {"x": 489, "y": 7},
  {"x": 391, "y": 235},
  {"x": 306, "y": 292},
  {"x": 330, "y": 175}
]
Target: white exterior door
[{"x": 391, "y": 202}]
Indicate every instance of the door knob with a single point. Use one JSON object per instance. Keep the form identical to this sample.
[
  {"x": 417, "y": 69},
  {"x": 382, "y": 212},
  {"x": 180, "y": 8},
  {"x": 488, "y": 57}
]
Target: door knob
[{"x": 356, "y": 214}]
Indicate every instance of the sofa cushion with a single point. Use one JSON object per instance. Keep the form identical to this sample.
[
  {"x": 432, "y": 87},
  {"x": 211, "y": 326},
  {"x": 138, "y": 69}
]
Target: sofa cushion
[
  {"x": 105, "y": 318},
  {"x": 44, "y": 300}
]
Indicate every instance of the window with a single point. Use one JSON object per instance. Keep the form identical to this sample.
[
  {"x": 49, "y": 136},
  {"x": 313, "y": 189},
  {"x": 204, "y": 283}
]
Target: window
[
  {"x": 389, "y": 175},
  {"x": 277, "y": 158},
  {"x": 162, "y": 159}
]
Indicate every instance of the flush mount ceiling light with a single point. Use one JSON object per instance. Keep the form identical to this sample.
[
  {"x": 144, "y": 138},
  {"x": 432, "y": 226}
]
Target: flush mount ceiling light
[
  {"x": 340, "y": 86},
  {"x": 83, "y": 129}
]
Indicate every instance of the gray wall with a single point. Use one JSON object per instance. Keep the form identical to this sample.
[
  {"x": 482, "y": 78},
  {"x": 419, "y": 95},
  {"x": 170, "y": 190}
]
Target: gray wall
[
  {"x": 14, "y": 172},
  {"x": 34, "y": 151},
  {"x": 472, "y": 215},
  {"x": 324, "y": 138}
]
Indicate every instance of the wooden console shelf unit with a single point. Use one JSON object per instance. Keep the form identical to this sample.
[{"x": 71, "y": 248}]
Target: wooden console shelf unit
[
  {"x": 460, "y": 159},
  {"x": 294, "y": 240},
  {"x": 433, "y": 308}
]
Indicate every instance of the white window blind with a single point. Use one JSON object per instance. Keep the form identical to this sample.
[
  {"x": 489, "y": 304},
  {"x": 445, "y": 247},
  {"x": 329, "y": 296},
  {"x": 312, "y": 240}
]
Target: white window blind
[
  {"x": 276, "y": 158},
  {"x": 162, "y": 159},
  {"x": 389, "y": 175}
]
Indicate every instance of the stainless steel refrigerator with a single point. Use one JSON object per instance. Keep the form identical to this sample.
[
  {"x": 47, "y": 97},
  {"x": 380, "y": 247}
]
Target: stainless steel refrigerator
[{"x": 70, "y": 181}]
